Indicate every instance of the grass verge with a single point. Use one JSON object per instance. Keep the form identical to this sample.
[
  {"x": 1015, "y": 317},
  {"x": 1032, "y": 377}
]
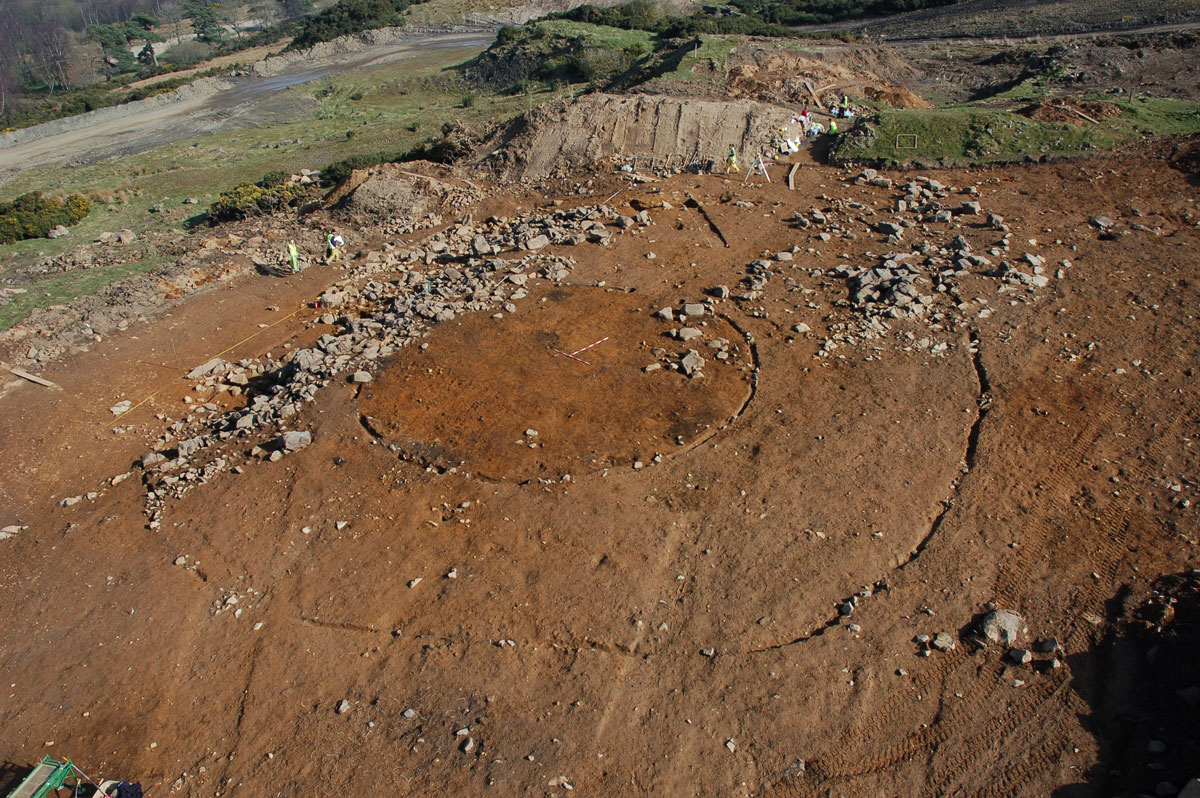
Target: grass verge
[
  {"x": 61, "y": 288},
  {"x": 967, "y": 134}
]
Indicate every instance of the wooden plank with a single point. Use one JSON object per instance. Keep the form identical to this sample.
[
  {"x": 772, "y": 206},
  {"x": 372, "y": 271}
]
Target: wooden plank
[
  {"x": 792, "y": 176},
  {"x": 25, "y": 375},
  {"x": 1076, "y": 112}
]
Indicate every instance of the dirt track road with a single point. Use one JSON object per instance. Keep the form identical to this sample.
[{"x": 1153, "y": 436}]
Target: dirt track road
[{"x": 208, "y": 112}]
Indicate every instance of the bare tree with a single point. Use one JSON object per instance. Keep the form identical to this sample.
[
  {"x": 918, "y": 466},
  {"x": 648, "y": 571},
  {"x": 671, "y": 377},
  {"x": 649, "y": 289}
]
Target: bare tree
[{"x": 9, "y": 89}]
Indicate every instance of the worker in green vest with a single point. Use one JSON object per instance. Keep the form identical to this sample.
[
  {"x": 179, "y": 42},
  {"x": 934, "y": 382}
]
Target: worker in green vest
[
  {"x": 833, "y": 127},
  {"x": 293, "y": 257},
  {"x": 333, "y": 248}
]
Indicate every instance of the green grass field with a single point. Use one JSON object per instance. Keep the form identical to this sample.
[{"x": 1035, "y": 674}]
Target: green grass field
[
  {"x": 392, "y": 106},
  {"x": 969, "y": 134}
]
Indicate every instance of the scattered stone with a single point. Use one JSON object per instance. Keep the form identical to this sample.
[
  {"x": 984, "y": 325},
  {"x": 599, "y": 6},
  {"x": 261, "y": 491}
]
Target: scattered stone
[
  {"x": 1049, "y": 645},
  {"x": 943, "y": 641},
  {"x": 537, "y": 242},
  {"x": 120, "y": 407},
  {"x": 214, "y": 366},
  {"x": 1002, "y": 627},
  {"x": 801, "y": 328},
  {"x": 361, "y": 377},
  {"x": 1101, "y": 222},
  {"x": 1020, "y": 656},
  {"x": 720, "y": 291},
  {"x": 666, "y": 314},
  {"x": 689, "y": 333},
  {"x": 691, "y": 363},
  {"x": 181, "y": 560},
  {"x": 291, "y": 441},
  {"x": 152, "y": 459},
  {"x": 343, "y": 707},
  {"x": 693, "y": 309},
  {"x": 12, "y": 530}
]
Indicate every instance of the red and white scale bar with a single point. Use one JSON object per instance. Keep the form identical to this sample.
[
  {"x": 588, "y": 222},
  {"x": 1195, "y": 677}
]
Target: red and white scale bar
[{"x": 577, "y": 351}]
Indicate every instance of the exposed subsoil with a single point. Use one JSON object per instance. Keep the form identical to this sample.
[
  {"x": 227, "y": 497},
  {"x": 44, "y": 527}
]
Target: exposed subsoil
[
  {"x": 676, "y": 628},
  {"x": 449, "y": 406}
]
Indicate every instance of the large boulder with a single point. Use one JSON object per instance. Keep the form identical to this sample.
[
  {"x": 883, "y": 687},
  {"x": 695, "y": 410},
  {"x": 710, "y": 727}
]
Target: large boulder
[{"x": 1003, "y": 627}]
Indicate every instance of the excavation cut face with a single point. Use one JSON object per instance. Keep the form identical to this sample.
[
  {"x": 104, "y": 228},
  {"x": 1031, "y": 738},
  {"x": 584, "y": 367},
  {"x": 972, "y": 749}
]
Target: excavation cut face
[{"x": 505, "y": 399}]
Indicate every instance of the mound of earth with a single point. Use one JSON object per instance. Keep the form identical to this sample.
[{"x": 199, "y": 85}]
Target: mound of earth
[
  {"x": 562, "y": 137},
  {"x": 1071, "y": 112},
  {"x": 775, "y": 74},
  {"x": 500, "y": 399},
  {"x": 395, "y": 191}
]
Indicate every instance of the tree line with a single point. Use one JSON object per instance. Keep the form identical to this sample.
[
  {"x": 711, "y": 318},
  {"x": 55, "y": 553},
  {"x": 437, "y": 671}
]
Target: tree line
[{"x": 54, "y": 47}]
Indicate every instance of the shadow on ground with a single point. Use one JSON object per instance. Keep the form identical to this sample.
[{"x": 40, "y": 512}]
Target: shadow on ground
[{"x": 1143, "y": 687}]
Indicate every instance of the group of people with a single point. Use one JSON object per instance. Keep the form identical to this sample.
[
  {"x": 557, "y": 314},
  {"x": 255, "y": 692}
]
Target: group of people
[
  {"x": 809, "y": 128},
  {"x": 333, "y": 251}
]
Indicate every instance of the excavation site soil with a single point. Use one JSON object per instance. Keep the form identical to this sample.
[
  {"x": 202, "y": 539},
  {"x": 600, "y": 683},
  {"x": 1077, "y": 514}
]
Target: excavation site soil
[{"x": 620, "y": 482}]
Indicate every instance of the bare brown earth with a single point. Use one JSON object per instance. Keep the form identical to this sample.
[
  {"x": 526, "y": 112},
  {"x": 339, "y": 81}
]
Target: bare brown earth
[
  {"x": 589, "y": 412},
  {"x": 673, "y": 629}
]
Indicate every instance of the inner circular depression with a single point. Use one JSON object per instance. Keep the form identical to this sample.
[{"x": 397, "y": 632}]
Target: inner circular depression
[{"x": 468, "y": 399}]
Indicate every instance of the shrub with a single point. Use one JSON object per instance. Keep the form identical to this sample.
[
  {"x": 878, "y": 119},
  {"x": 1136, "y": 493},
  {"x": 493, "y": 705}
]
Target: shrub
[
  {"x": 340, "y": 170},
  {"x": 188, "y": 51},
  {"x": 33, "y": 215},
  {"x": 507, "y": 35},
  {"x": 251, "y": 199},
  {"x": 349, "y": 16},
  {"x": 275, "y": 178}
]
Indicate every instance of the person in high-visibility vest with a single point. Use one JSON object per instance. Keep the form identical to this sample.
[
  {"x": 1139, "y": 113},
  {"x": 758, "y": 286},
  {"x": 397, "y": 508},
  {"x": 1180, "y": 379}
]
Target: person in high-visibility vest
[
  {"x": 732, "y": 165},
  {"x": 333, "y": 248},
  {"x": 845, "y": 104},
  {"x": 293, "y": 257},
  {"x": 833, "y": 127}
]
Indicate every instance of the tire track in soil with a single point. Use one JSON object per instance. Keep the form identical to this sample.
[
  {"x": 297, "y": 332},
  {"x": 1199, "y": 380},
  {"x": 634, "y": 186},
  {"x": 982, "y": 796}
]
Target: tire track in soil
[
  {"x": 1021, "y": 716},
  {"x": 983, "y": 404},
  {"x": 855, "y": 764}
]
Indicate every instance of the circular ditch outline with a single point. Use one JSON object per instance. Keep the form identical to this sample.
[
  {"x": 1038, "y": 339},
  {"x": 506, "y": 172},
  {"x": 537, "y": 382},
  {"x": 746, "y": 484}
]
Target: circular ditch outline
[{"x": 433, "y": 457}]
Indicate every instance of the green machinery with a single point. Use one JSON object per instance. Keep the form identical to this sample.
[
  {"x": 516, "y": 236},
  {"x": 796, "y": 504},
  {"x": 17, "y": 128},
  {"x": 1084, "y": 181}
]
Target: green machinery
[{"x": 47, "y": 778}]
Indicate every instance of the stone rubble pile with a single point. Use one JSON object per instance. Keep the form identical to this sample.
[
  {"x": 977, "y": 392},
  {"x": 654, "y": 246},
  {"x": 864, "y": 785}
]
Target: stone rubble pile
[
  {"x": 921, "y": 282},
  {"x": 453, "y": 273},
  {"x": 690, "y": 362}
]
